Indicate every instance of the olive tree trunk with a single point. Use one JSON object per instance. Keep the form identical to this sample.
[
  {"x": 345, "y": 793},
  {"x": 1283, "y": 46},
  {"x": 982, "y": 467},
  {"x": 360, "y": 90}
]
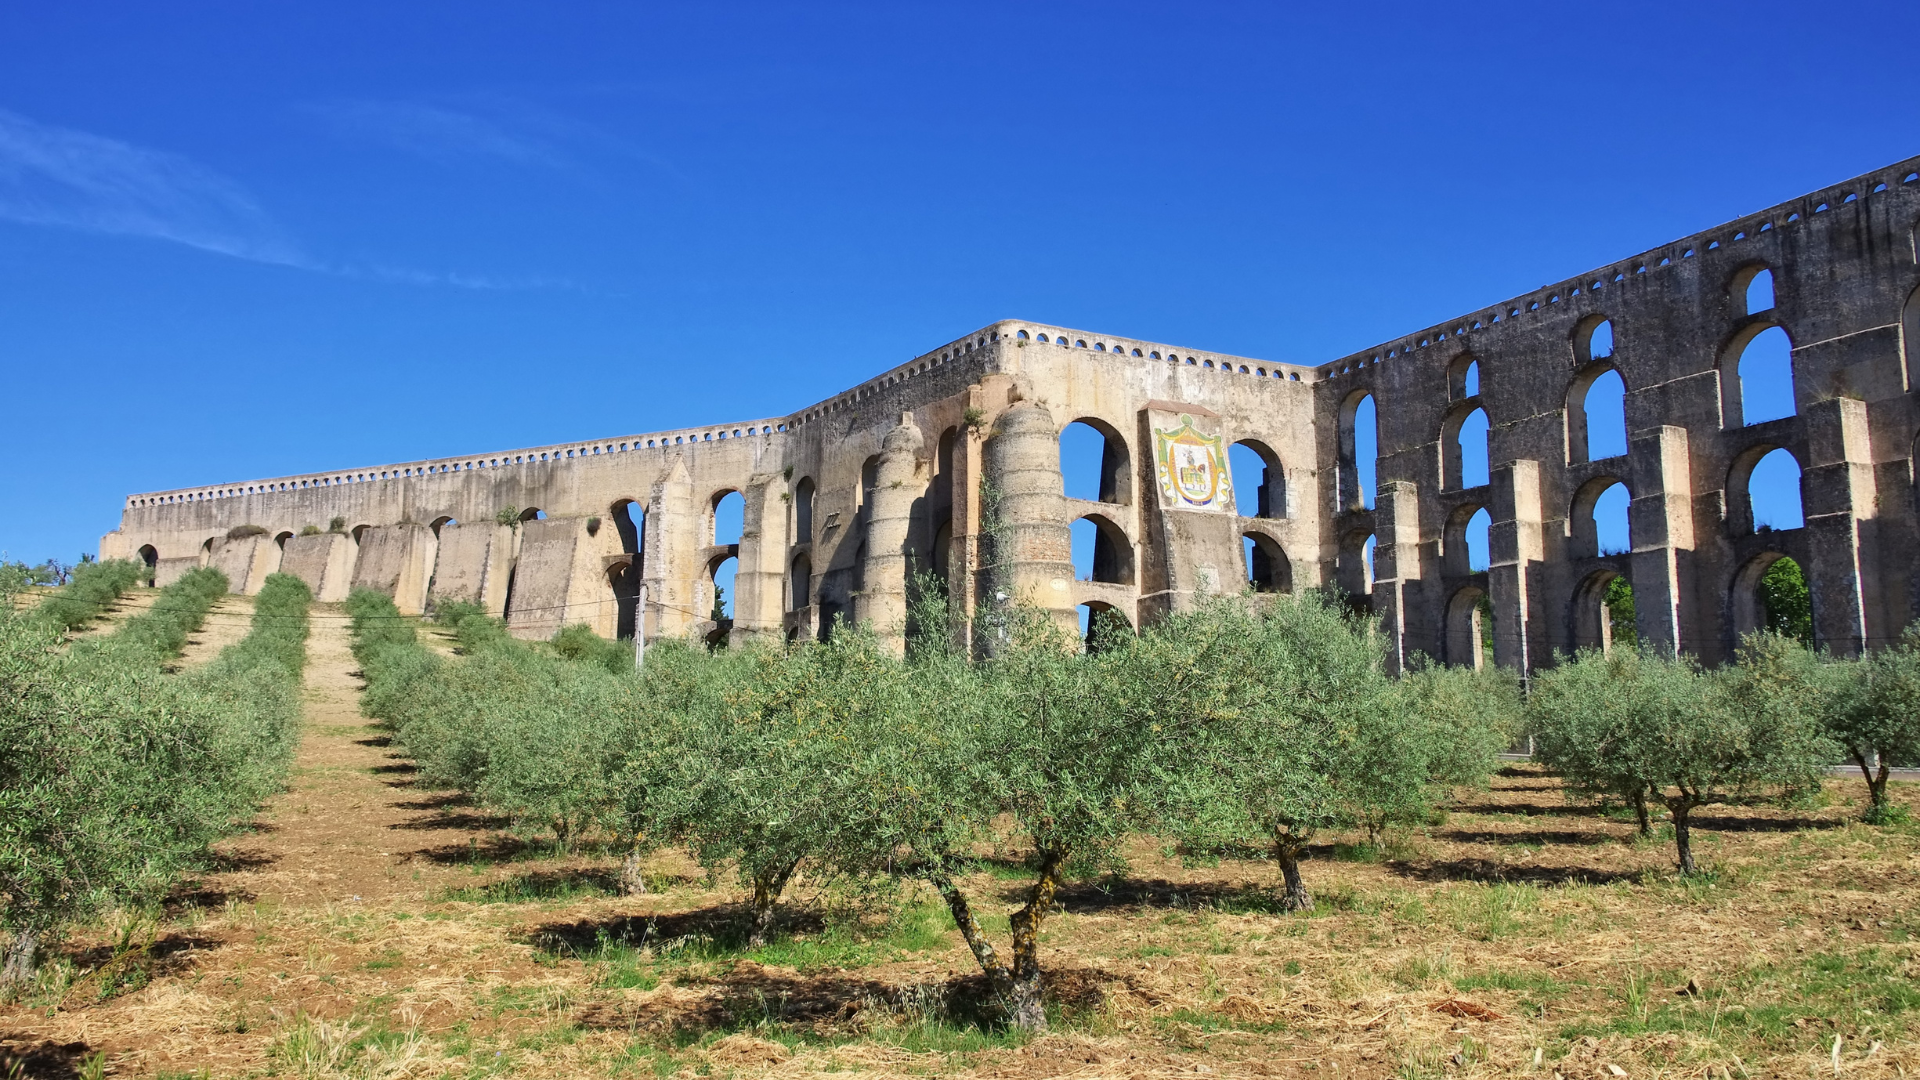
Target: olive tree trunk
[
  {"x": 1876, "y": 783},
  {"x": 1681, "y": 807},
  {"x": 632, "y": 881},
  {"x": 22, "y": 958},
  {"x": 1640, "y": 812},
  {"x": 1024, "y": 1007},
  {"x": 1018, "y": 984},
  {"x": 768, "y": 884},
  {"x": 1293, "y": 893}
]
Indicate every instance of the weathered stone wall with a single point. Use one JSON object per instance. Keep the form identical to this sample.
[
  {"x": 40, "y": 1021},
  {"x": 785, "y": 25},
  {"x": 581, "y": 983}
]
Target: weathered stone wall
[{"x": 896, "y": 469}]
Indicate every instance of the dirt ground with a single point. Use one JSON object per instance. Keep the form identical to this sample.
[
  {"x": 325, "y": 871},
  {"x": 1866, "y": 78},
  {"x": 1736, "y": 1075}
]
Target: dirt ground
[{"x": 368, "y": 928}]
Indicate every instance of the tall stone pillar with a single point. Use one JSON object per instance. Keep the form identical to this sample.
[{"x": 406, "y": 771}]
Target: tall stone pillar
[
  {"x": 1396, "y": 565},
  {"x": 897, "y": 485},
  {"x": 1660, "y": 525},
  {"x": 672, "y": 548},
  {"x": 1515, "y": 548},
  {"x": 759, "y": 582},
  {"x": 1032, "y": 560},
  {"x": 1838, "y": 493}
]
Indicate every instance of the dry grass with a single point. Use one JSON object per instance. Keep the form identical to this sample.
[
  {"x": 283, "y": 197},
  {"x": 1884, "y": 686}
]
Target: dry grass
[{"x": 370, "y": 929}]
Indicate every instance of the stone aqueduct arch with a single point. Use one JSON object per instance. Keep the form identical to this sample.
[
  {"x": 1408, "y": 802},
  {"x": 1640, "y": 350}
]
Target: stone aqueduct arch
[{"x": 847, "y": 499}]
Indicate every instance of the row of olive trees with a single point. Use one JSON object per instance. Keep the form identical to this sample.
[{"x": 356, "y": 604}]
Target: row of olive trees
[
  {"x": 115, "y": 774},
  {"x": 1232, "y": 726},
  {"x": 1639, "y": 727}
]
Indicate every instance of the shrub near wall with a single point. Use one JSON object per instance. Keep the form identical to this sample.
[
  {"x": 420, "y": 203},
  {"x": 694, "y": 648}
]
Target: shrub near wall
[{"x": 115, "y": 776}]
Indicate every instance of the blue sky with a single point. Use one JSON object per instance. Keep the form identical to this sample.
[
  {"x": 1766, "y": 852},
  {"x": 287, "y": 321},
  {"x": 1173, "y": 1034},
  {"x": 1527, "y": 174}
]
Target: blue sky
[{"x": 243, "y": 240}]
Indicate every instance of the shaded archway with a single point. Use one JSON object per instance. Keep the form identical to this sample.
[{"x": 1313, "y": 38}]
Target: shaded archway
[
  {"x": 1259, "y": 483},
  {"x": 1468, "y": 628},
  {"x": 1268, "y": 569},
  {"x": 1094, "y": 463},
  {"x": 1101, "y": 551},
  {"x": 1099, "y": 621},
  {"x": 803, "y": 511},
  {"x": 626, "y": 582},
  {"x": 150, "y": 557},
  {"x": 1602, "y": 612},
  {"x": 1353, "y": 570},
  {"x": 1770, "y": 592},
  {"x": 1752, "y": 289},
  {"x": 800, "y": 583}
]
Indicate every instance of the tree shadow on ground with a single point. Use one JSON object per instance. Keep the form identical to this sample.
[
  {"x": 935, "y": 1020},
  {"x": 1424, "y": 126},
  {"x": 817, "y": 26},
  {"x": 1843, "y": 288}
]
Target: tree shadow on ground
[
  {"x": 1488, "y": 872},
  {"x": 748, "y": 996},
  {"x": 1724, "y": 823},
  {"x": 1121, "y": 895},
  {"x": 377, "y": 740},
  {"x": 722, "y": 927},
  {"x": 232, "y": 862},
  {"x": 193, "y": 895},
  {"x": 479, "y": 850},
  {"x": 436, "y": 802},
  {"x": 1529, "y": 838},
  {"x": 21, "y": 1055},
  {"x": 536, "y": 885},
  {"x": 1530, "y": 809},
  {"x": 469, "y": 822},
  {"x": 400, "y": 768}
]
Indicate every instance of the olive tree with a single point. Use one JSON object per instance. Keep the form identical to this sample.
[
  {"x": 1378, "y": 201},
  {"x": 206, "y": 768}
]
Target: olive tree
[
  {"x": 1632, "y": 721},
  {"x": 1876, "y": 718},
  {"x": 1307, "y": 735}
]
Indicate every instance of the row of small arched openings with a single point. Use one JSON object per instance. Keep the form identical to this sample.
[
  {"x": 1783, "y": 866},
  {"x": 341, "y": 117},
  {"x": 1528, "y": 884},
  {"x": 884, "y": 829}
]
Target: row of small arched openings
[{"x": 1762, "y": 389}]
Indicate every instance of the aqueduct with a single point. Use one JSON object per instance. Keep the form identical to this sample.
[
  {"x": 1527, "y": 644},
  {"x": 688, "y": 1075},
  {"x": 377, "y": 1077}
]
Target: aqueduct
[{"x": 1493, "y": 413}]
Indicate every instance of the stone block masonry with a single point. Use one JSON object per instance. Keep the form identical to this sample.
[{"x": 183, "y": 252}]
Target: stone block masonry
[{"x": 848, "y": 498}]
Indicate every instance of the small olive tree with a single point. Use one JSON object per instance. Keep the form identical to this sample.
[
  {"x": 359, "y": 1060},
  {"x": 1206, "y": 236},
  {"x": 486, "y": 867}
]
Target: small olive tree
[
  {"x": 1876, "y": 718},
  {"x": 1630, "y": 721},
  {"x": 1306, "y": 735}
]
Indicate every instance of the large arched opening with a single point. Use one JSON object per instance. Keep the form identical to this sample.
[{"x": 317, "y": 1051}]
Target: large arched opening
[
  {"x": 726, "y": 517},
  {"x": 1757, "y": 385},
  {"x": 1463, "y": 378},
  {"x": 1469, "y": 628},
  {"x": 1598, "y": 519},
  {"x": 1266, "y": 564},
  {"x": 1771, "y": 593},
  {"x": 1763, "y": 491},
  {"x": 150, "y": 558},
  {"x": 1259, "y": 483},
  {"x": 1463, "y": 540},
  {"x": 1596, "y": 415},
  {"x": 1101, "y": 551},
  {"x": 800, "y": 584},
  {"x": 1752, "y": 289},
  {"x": 624, "y": 577},
  {"x": 1094, "y": 462},
  {"x": 1463, "y": 448},
  {"x": 1353, "y": 569},
  {"x": 803, "y": 511},
  {"x": 1603, "y": 613},
  {"x": 1099, "y": 623},
  {"x": 1359, "y": 451}
]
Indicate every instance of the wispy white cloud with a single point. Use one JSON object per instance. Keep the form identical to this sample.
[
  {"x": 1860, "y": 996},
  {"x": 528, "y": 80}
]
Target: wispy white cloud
[
  {"x": 433, "y": 131},
  {"x": 71, "y": 179},
  {"x": 58, "y": 176}
]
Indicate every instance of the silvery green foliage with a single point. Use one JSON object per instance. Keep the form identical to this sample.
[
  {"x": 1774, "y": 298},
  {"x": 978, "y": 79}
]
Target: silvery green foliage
[
  {"x": 115, "y": 775},
  {"x": 1633, "y": 722},
  {"x": 88, "y": 591},
  {"x": 1876, "y": 717}
]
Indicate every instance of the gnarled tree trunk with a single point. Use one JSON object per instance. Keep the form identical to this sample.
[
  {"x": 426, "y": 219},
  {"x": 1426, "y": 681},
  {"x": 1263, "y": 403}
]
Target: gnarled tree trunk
[
  {"x": 1024, "y": 1007},
  {"x": 632, "y": 881},
  {"x": 1640, "y": 812},
  {"x": 1287, "y": 847},
  {"x": 21, "y": 959},
  {"x": 767, "y": 887},
  {"x": 999, "y": 979}
]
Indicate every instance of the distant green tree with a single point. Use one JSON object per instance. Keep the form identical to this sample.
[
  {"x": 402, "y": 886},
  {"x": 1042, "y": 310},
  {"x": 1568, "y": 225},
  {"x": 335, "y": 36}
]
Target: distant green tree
[
  {"x": 1787, "y": 602},
  {"x": 1620, "y": 613}
]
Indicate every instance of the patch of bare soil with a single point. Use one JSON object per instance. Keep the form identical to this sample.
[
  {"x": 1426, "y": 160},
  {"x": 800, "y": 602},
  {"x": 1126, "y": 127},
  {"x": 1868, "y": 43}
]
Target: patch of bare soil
[
  {"x": 370, "y": 928},
  {"x": 227, "y": 622}
]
